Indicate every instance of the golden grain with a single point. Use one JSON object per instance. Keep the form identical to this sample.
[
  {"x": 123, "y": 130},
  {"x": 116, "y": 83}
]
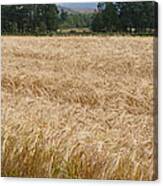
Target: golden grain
[{"x": 78, "y": 107}]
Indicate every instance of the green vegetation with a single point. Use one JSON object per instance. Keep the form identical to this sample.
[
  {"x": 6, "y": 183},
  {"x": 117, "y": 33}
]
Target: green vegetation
[
  {"x": 110, "y": 18},
  {"x": 29, "y": 19},
  {"x": 126, "y": 17},
  {"x": 77, "y": 20}
]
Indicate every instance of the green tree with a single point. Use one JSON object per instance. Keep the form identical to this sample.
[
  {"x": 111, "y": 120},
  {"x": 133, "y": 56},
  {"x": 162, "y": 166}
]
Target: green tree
[
  {"x": 63, "y": 15},
  {"x": 110, "y": 17},
  {"x": 98, "y": 23},
  {"x": 29, "y": 19},
  {"x": 51, "y": 17},
  {"x": 140, "y": 17}
]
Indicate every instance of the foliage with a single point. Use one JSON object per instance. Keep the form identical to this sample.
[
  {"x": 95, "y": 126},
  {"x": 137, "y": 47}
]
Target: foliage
[
  {"x": 78, "y": 20},
  {"x": 121, "y": 17},
  {"x": 137, "y": 17},
  {"x": 32, "y": 19}
]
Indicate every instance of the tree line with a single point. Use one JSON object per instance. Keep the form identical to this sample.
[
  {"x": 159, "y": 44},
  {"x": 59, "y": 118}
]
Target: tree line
[
  {"x": 75, "y": 20},
  {"x": 119, "y": 17},
  {"x": 137, "y": 17},
  {"x": 24, "y": 19}
]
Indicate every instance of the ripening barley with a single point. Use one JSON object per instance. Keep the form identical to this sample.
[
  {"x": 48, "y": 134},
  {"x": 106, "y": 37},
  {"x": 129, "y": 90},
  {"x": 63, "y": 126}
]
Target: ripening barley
[{"x": 78, "y": 107}]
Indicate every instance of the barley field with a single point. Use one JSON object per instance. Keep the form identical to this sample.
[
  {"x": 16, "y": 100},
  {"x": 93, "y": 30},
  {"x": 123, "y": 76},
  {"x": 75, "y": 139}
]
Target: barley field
[{"x": 78, "y": 107}]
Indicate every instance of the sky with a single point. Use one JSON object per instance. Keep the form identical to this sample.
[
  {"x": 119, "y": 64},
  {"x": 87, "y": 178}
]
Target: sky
[{"x": 79, "y": 5}]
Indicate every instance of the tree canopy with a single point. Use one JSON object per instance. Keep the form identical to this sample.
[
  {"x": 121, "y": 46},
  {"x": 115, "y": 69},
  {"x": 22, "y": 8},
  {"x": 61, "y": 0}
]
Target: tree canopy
[
  {"x": 126, "y": 17},
  {"x": 117, "y": 17},
  {"x": 29, "y": 18}
]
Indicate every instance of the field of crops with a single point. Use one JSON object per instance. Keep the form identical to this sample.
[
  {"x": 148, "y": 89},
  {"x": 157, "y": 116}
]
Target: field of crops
[{"x": 78, "y": 107}]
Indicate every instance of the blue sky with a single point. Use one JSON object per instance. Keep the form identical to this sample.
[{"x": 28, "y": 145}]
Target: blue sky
[{"x": 79, "y": 5}]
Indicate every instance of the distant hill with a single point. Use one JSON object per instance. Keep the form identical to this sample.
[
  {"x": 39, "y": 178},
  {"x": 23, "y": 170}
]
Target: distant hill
[
  {"x": 78, "y": 7},
  {"x": 68, "y": 10}
]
